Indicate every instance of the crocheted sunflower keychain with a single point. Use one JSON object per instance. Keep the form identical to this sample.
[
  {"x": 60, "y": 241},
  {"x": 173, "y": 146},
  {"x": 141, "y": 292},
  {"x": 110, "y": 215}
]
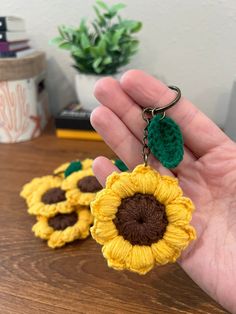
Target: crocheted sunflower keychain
[{"x": 142, "y": 218}]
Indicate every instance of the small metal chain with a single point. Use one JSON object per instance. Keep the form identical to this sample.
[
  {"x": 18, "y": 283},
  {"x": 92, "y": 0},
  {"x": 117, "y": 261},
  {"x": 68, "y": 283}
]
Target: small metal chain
[{"x": 146, "y": 150}]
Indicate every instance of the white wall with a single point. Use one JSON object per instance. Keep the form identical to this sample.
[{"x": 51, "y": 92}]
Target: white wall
[{"x": 185, "y": 42}]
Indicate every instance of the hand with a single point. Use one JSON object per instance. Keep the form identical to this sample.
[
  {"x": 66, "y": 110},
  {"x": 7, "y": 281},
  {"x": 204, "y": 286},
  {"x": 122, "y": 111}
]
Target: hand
[{"x": 207, "y": 173}]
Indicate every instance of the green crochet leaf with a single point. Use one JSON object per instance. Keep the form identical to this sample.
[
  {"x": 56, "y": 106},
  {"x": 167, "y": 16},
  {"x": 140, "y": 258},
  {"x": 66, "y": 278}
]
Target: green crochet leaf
[
  {"x": 120, "y": 165},
  {"x": 165, "y": 141},
  {"x": 73, "y": 167}
]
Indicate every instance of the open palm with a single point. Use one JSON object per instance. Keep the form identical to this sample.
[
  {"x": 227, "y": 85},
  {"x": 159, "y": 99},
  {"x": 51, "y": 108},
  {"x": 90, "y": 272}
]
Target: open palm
[{"x": 207, "y": 173}]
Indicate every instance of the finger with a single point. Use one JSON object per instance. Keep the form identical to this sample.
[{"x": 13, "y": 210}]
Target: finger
[
  {"x": 109, "y": 92},
  {"x": 120, "y": 139},
  {"x": 199, "y": 132},
  {"x": 102, "y": 168}
]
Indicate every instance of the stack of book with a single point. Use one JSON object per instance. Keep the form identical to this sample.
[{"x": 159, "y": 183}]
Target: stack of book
[
  {"x": 74, "y": 122},
  {"x": 14, "y": 42}
]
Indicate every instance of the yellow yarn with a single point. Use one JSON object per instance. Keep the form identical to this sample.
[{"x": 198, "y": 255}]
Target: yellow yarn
[
  {"x": 120, "y": 253},
  {"x": 73, "y": 193},
  {"x": 58, "y": 238},
  {"x": 86, "y": 164},
  {"x": 38, "y": 208}
]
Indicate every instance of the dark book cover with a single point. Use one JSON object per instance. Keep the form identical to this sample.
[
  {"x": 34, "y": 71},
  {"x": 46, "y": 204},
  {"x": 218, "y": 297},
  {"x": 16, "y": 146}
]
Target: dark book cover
[
  {"x": 73, "y": 117},
  {"x": 3, "y": 36},
  {"x": 3, "y": 24},
  {"x": 8, "y": 54}
]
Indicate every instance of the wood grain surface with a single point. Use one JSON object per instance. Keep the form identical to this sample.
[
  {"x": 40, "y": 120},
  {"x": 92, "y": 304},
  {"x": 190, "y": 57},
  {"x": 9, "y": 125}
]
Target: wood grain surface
[{"x": 73, "y": 279}]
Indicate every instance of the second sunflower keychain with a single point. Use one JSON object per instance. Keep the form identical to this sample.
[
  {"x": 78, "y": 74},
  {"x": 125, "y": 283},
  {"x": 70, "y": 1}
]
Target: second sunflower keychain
[{"x": 141, "y": 218}]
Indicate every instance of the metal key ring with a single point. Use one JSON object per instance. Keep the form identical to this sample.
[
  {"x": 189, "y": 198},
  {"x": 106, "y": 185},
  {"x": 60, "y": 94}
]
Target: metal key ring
[
  {"x": 171, "y": 104},
  {"x": 153, "y": 111}
]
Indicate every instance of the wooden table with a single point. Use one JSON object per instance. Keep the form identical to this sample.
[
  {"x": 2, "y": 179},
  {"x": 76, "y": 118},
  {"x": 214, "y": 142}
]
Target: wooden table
[{"x": 73, "y": 279}]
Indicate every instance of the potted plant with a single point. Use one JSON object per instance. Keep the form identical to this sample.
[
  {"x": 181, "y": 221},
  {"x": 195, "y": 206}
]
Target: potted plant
[{"x": 99, "y": 49}]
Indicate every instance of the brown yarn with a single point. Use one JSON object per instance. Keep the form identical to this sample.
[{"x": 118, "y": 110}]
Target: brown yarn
[
  {"x": 89, "y": 184},
  {"x": 54, "y": 195},
  {"x": 62, "y": 221},
  {"x": 141, "y": 219}
]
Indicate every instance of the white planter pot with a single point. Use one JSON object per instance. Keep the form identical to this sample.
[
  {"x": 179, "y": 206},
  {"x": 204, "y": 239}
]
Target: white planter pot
[
  {"x": 84, "y": 84},
  {"x": 23, "y": 109}
]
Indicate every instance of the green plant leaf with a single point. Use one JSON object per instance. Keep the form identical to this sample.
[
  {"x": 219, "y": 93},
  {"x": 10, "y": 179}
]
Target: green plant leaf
[
  {"x": 96, "y": 28},
  {"x": 66, "y": 45},
  {"x": 132, "y": 26},
  {"x": 134, "y": 45},
  {"x": 102, "y": 5},
  {"x": 137, "y": 27},
  {"x": 56, "y": 41},
  {"x": 61, "y": 31},
  {"x": 117, "y": 7},
  {"x": 97, "y": 62},
  {"x": 80, "y": 67},
  {"x": 85, "y": 43},
  {"x": 107, "y": 60},
  {"x": 83, "y": 27},
  {"x": 76, "y": 51},
  {"x": 101, "y": 19},
  {"x": 115, "y": 48},
  {"x": 117, "y": 35},
  {"x": 101, "y": 48}
]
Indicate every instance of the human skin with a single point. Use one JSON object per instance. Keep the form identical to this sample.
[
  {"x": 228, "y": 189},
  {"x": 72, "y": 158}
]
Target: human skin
[{"x": 207, "y": 173}]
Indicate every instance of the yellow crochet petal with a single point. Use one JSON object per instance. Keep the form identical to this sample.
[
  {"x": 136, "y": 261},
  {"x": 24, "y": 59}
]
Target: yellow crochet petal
[
  {"x": 85, "y": 214},
  {"x": 64, "y": 207},
  {"x": 56, "y": 240},
  {"x": 164, "y": 253},
  {"x": 81, "y": 230},
  {"x": 29, "y": 200},
  {"x": 121, "y": 184},
  {"x": 50, "y": 210},
  {"x": 116, "y": 252},
  {"x": 60, "y": 170},
  {"x": 75, "y": 197},
  {"x": 103, "y": 231},
  {"x": 145, "y": 179},
  {"x": 41, "y": 229},
  {"x": 86, "y": 198},
  {"x": 60, "y": 237},
  {"x": 104, "y": 207},
  {"x": 87, "y": 163},
  {"x": 179, "y": 237},
  {"x": 179, "y": 212},
  {"x": 167, "y": 190},
  {"x": 141, "y": 259}
]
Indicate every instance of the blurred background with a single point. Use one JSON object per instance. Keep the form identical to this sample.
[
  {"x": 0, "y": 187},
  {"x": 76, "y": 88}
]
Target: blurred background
[{"x": 186, "y": 43}]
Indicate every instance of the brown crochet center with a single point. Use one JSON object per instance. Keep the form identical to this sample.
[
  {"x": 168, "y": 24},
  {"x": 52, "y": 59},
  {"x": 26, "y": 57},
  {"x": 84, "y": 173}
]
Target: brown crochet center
[
  {"x": 54, "y": 195},
  {"x": 89, "y": 184},
  {"x": 62, "y": 221},
  {"x": 141, "y": 219}
]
